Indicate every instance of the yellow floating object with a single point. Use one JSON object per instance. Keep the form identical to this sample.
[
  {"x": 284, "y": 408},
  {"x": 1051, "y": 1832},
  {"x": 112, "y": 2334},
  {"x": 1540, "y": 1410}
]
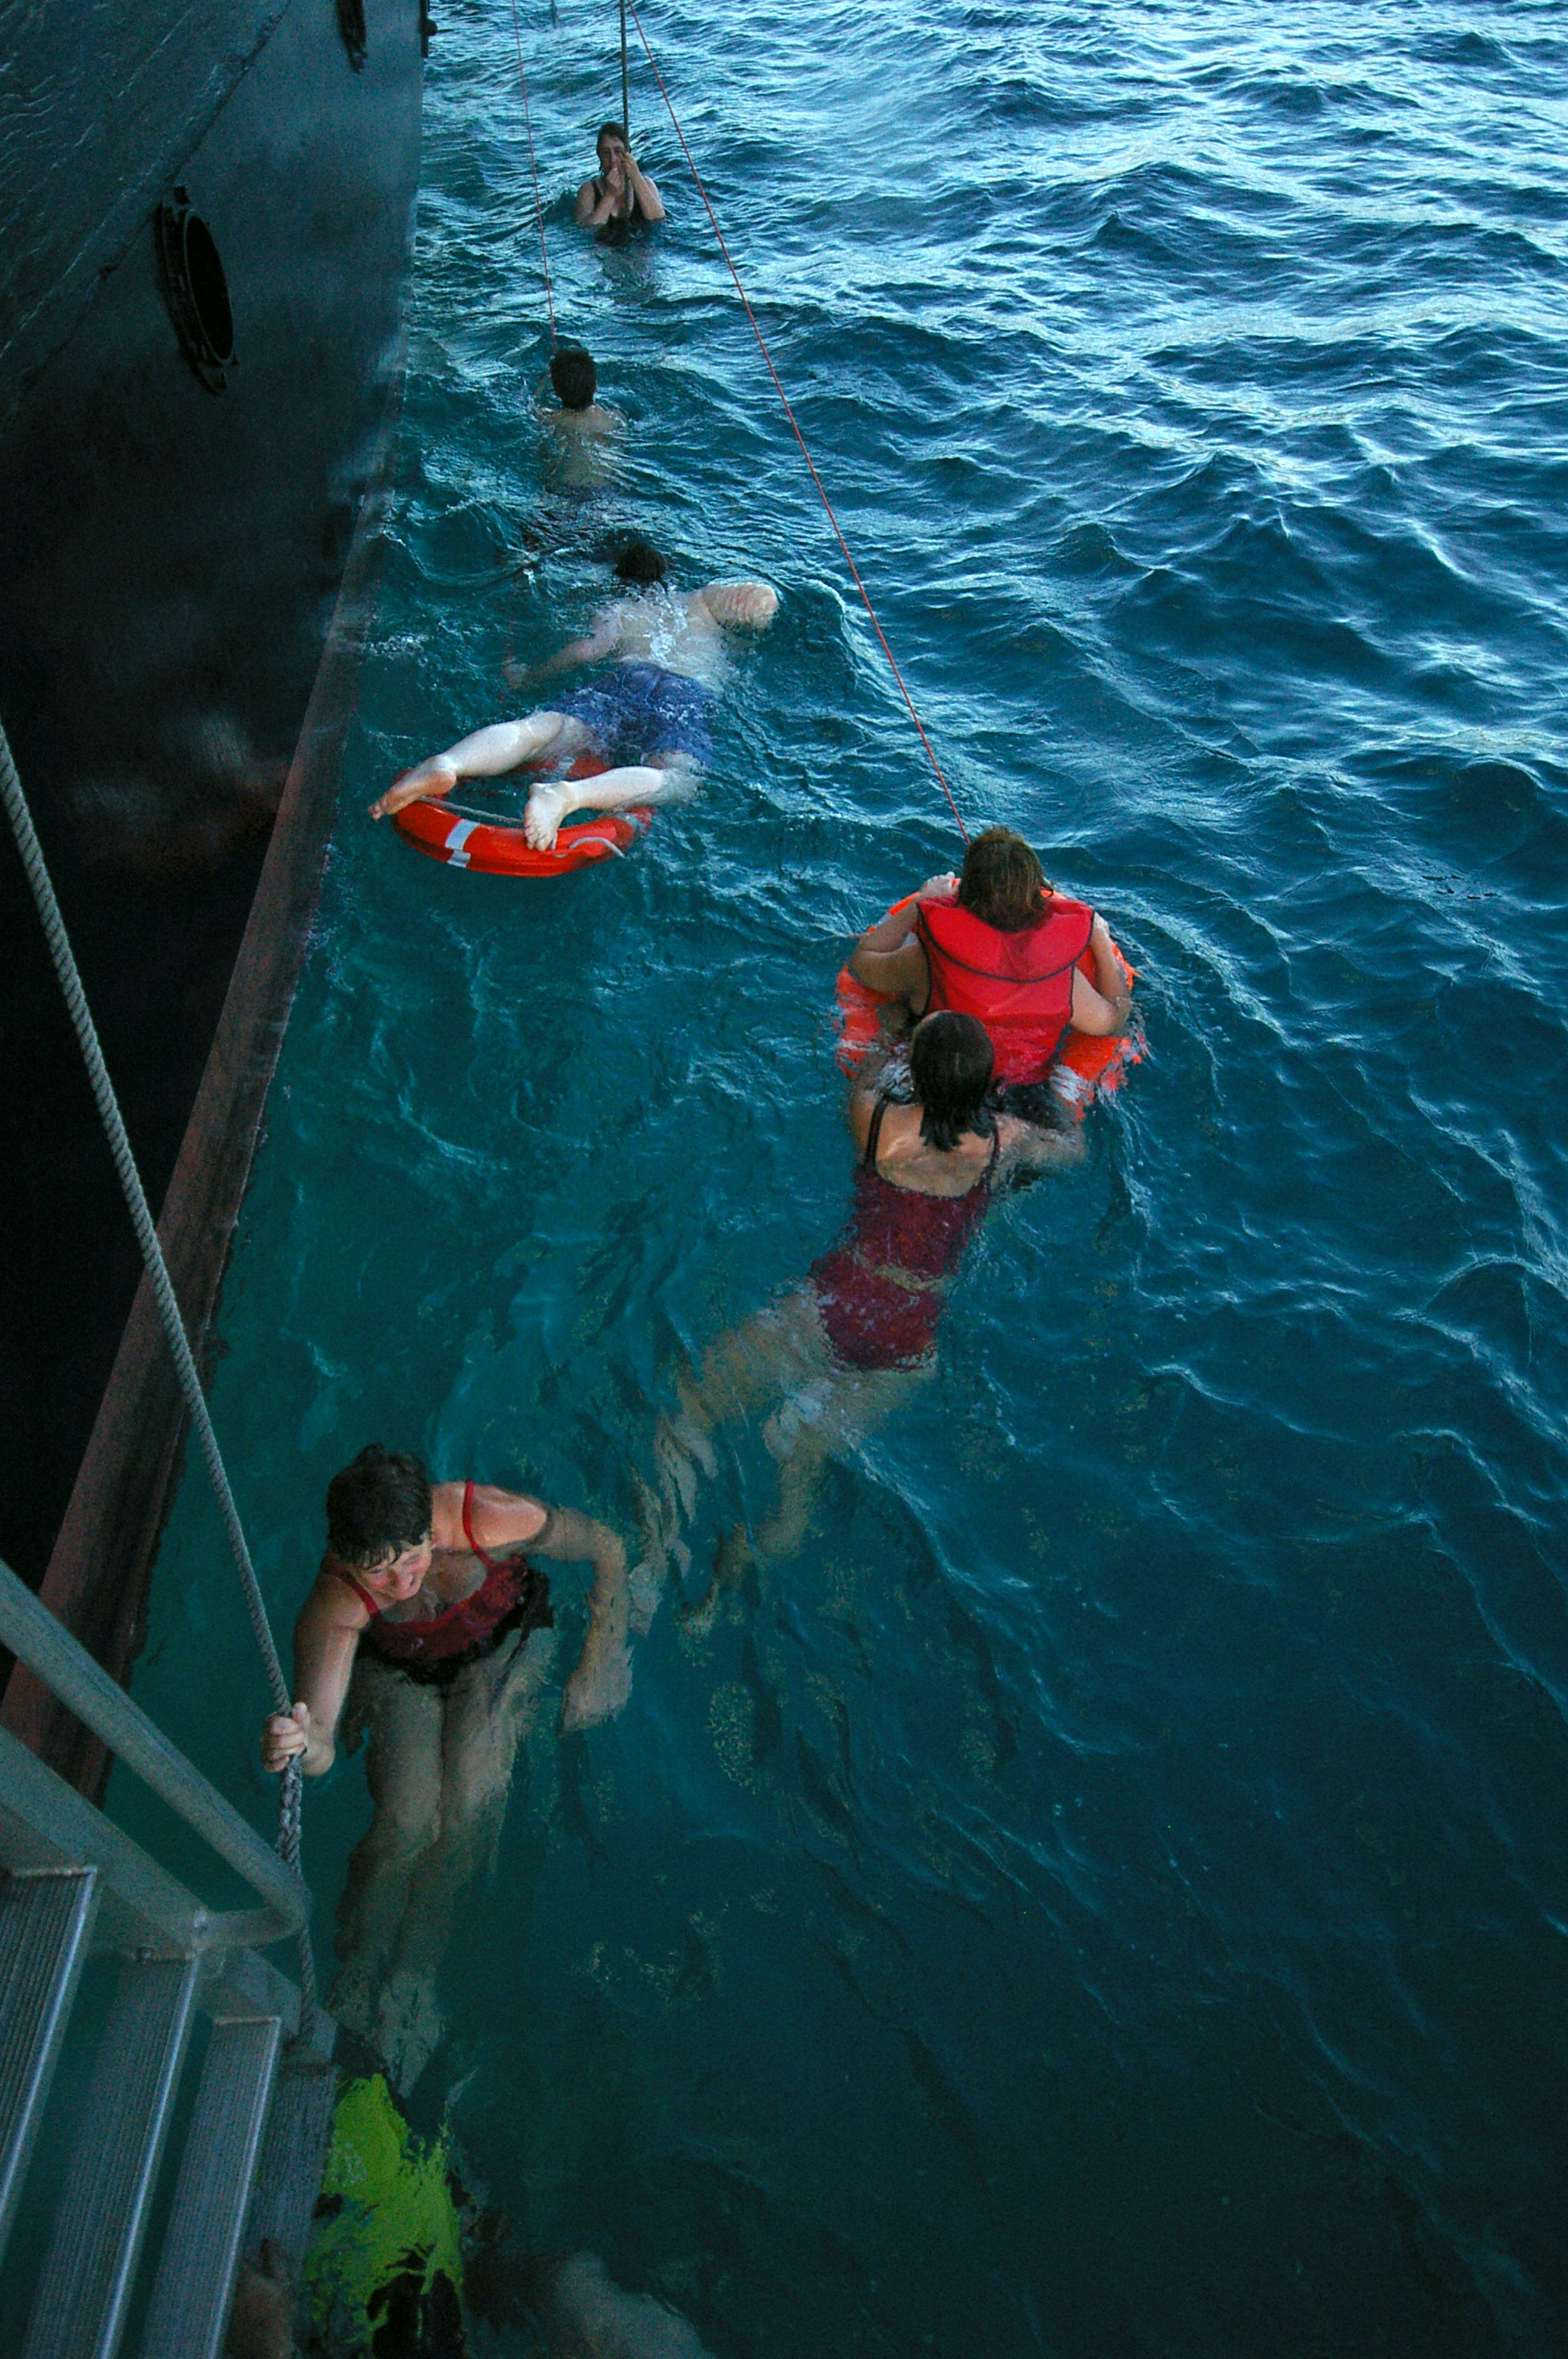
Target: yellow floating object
[{"x": 384, "y": 2265}]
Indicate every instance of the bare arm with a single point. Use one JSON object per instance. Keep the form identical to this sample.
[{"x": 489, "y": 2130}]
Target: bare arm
[
  {"x": 602, "y": 1679},
  {"x": 1032, "y": 1146},
  {"x": 1102, "y": 1007},
  {"x": 325, "y": 1643},
  {"x": 590, "y": 212},
  {"x": 888, "y": 957},
  {"x": 603, "y": 641},
  {"x": 647, "y": 196}
]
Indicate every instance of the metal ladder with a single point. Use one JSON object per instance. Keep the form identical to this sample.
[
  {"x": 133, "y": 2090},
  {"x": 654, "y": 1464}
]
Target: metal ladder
[{"x": 73, "y": 1883}]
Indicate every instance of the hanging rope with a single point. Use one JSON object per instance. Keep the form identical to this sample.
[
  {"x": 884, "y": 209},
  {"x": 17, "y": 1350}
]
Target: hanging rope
[
  {"x": 534, "y": 167},
  {"x": 27, "y": 845},
  {"x": 821, "y": 493}
]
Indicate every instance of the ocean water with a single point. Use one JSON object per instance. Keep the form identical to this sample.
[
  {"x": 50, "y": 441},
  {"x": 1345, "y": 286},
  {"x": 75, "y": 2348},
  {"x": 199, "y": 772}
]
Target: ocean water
[{"x": 1104, "y": 1894}]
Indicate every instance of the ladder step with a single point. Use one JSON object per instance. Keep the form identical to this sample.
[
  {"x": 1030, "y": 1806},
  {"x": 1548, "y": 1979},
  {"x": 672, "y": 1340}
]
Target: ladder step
[
  {"x": 79, "y": 2309},
  {"x": 46, "y": 1920},
  {"x": 201, "y": 2248}
]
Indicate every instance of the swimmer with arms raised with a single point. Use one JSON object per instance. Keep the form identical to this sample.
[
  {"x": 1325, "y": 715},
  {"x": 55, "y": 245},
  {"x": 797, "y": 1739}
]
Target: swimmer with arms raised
[
  {"x": 649, "y": 718},
  {"x": 427, "y": 1628},
  {"x": 622, "y": 196}
]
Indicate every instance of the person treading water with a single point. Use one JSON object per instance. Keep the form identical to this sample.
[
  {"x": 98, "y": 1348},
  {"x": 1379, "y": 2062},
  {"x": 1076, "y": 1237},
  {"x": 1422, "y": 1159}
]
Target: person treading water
[
  {"x": 845, "y": 1349},
  {"x": 621, "y": 197},
  {"x": 999, "y": 943},
  {"x": 582, "y": 430},
  {"x": 648, "y": 718},
  {"x": 427, "y": 1624}
]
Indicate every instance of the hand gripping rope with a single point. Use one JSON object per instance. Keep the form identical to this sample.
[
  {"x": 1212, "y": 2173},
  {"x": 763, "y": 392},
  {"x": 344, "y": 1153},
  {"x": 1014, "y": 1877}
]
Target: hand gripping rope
[
  {"x": 27, "y": 845},
  {"x": 534, "y": 167},
  {"x": 821, "y": 493}
]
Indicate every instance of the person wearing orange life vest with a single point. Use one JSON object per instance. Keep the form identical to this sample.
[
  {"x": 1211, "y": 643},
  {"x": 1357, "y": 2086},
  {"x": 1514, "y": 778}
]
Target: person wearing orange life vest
[{"x": 996, "y": 943}]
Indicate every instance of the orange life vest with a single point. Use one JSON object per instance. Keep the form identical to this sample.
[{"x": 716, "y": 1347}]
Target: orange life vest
[{"x": 1019, "y": 986}]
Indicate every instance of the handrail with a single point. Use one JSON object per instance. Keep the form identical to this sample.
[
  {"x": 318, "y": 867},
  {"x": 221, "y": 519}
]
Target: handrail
[{"x": 64, "y": 1665}]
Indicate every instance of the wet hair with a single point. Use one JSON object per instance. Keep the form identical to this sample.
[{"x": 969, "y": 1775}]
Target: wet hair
[
  {"x": 574, "y": 377},
  {"x": 611, "y": 131},
  {"x": 1002, "y": 882},
  {"x": 640, "y": 563},
  {"x": 378, "y": 1506},
  {"x": 950, "y": 1063}
]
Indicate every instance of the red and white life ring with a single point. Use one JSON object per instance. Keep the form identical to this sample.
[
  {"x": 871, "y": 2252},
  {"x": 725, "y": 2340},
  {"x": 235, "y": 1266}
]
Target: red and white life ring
[
  {"x": 1083, "y": 1066},
  {"x": 500, "y": 848}
]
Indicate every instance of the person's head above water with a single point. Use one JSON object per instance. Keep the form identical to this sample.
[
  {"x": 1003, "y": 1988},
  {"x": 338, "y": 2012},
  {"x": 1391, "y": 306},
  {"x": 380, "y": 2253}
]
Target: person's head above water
[
  {"x": 950, "y": 1063},
  {"x": 574, "y": 377},
  {"x": 1002, "y": 883},
  {"x": 640, "y": 563},
  {"x": 609, "y": 137},
  {"x": 378, "y": 1508}
]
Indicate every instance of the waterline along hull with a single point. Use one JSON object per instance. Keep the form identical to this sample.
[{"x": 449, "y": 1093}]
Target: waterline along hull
[{"x": 207, "y": 218}]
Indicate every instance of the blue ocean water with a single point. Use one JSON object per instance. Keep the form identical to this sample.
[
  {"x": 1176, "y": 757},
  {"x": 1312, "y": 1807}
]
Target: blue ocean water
[{"x": 1107, "y": 1894}]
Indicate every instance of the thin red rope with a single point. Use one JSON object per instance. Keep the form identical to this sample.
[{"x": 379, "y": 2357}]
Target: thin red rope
[
  {"x": 822, "y": 495},
  {"x": 534, "y": 167}
]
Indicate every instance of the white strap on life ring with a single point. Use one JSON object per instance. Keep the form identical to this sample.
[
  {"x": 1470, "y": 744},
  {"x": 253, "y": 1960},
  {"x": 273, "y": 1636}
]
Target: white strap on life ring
[{"x": 462, "y": 830}]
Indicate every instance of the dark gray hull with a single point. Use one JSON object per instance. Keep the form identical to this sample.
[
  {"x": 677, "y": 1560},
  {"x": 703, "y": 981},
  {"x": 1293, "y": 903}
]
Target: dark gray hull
[{"x": 174, "y": 527}]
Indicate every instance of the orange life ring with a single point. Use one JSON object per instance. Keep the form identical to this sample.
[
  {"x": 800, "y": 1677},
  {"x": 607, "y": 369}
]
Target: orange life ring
[
  {"x": 499, "y": 847},
  {"x": 1081, "y": 1069}
]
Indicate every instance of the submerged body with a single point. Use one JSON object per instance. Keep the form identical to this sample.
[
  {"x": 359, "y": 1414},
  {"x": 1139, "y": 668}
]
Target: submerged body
[
  {"x": 434, "y": 1653},
  {"x": 839, "y": 1354}
]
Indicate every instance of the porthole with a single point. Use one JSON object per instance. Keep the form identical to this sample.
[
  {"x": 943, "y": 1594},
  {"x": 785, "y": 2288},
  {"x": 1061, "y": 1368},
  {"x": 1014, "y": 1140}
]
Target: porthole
[
  {"x": 351, "y": 25},
  {"x": 191, "y": 271}
]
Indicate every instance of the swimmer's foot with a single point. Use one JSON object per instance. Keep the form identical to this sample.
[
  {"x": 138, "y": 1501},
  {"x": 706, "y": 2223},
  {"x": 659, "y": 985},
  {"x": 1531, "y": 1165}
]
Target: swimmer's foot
[
  {"x": 409, "y": 2027},
  {"x": 427, "y": 781},
  {"x": 733, "y": 1561},
  {"x": 352, "y": 1999},
  {"x": 547, "y": 806}
]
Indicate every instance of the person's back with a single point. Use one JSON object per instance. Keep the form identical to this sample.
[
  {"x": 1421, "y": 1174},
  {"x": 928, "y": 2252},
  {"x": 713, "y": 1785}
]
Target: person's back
[
  {"x": 582, "y": 428},
  {"x": 998, "y": 944}
]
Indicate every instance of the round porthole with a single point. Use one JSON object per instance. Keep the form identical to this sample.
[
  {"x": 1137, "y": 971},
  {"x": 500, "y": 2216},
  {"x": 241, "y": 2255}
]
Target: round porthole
[
  {"x": 351, "y": 25},
  {"x": 191, "y": 270}
]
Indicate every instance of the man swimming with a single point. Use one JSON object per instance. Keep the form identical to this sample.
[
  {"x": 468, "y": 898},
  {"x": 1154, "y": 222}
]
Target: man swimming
[
  {"x": 582, "y": 427},
  {"x": 648, "y": 718}
]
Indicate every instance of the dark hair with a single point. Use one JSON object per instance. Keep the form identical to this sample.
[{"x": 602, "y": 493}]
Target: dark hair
[
  {"x": 1002, "y": 883},
  {"x": 640, "y": 563},
  {"x": 950, "y": 1062},
  {"x": 574, "y": 377},
  {"x": 378, "y": 1506},
  {"x": 611, "y": 131}
]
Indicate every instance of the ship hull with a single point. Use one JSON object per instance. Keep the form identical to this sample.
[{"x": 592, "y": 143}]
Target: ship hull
[{"x": 171, "y": 555}]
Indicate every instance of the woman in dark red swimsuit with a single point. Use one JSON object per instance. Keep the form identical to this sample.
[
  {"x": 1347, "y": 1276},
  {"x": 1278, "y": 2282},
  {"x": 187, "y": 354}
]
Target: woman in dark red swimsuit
[
  {"x": 428, "y": 1630},
  {"x": 846, "y": 1350}
]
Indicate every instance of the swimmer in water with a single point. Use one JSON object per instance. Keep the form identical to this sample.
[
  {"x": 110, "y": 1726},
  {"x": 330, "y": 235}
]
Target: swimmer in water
[
  {"x": 1001, "y": 943},
  {"x": 621, "y": 198},
  {"x": 649, "y": 718},
  {"x": 581, "y": 429},
  {"x": 427, "y": 1630},
  {"x": 841, "y": 1353}
]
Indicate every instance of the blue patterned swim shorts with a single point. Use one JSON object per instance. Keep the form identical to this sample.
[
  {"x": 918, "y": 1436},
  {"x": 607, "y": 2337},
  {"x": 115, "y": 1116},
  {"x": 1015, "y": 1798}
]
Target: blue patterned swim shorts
[{"x": 640, "y": 713}]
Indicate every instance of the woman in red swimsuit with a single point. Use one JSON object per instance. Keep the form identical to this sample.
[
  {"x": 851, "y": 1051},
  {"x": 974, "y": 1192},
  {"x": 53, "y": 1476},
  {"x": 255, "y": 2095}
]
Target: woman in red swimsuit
[
  {"x": 847, "y": 1349},
  {"x": 427, "y": 1629}
]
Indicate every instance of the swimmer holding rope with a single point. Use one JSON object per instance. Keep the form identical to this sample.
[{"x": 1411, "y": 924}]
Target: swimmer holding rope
[
  {"x": 427, "y": 1630},
  {"x": 622, "y": 196},
  {"x": 649, "y": 718}
]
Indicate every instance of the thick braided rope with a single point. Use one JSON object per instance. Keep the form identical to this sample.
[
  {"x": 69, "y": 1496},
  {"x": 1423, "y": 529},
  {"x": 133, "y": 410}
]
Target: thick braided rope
[{"x": 65, "y": 966}]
